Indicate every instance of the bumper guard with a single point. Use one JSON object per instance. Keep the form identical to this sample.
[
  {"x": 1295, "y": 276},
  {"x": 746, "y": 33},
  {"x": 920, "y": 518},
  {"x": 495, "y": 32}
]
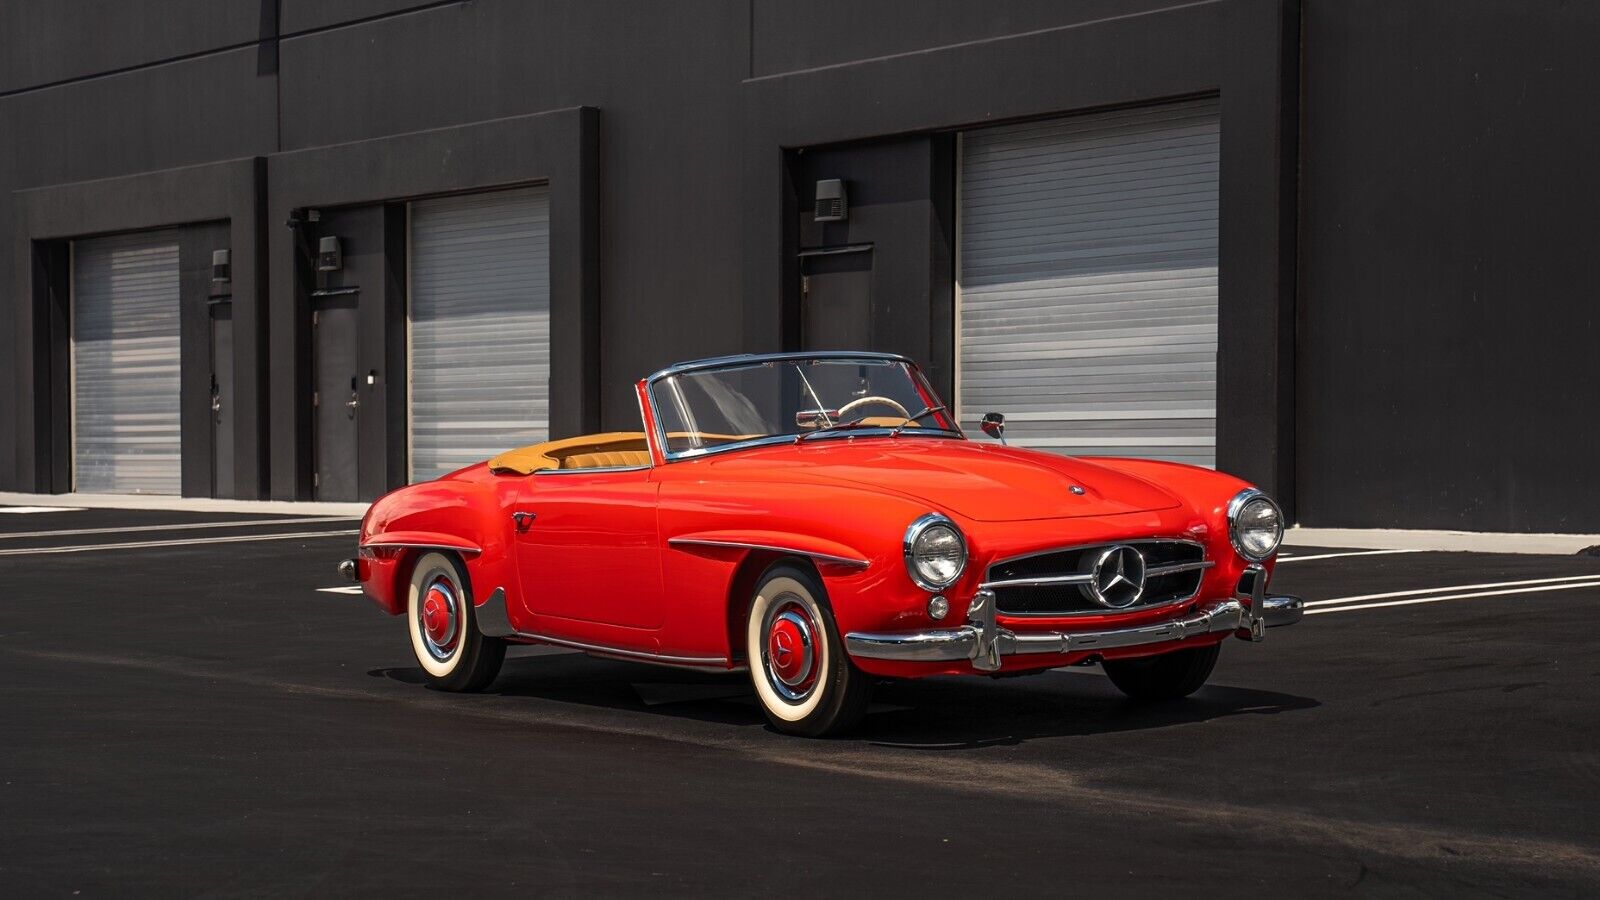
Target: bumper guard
[{"x": 984, "y": 641}]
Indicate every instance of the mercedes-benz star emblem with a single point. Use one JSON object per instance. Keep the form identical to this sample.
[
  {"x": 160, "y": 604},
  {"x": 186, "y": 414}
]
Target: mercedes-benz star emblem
[{"x": 1117, "y": 580}]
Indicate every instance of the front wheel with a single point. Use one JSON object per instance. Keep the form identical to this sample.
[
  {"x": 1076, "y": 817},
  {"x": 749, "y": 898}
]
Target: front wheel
[
  {"x": 804, "y": 679},
  {"x": 453, "y": 654},
  {"x": 1168, "y": 676}
]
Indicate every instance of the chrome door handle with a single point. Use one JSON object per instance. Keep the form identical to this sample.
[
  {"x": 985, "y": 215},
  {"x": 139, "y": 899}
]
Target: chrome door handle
[{"x": 523, "y": 519}]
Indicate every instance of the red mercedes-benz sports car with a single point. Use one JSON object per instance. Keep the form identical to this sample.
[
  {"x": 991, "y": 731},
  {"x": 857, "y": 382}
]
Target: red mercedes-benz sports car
[{"x": 821, "y": 520}]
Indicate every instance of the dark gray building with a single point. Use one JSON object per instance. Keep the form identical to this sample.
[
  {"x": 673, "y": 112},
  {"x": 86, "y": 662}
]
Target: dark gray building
[{"x": 303, "y": 249}]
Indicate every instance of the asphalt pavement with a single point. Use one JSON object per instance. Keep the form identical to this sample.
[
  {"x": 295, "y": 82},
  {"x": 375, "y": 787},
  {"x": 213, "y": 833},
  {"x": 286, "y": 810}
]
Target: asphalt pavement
[{"x": 190, "y": 706}]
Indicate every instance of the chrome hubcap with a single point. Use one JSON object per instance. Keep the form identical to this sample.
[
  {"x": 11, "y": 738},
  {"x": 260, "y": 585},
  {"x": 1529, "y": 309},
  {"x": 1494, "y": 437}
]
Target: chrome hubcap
[
  {"x": 439, "y": 616},
  {"x": 789, "y": 652}
]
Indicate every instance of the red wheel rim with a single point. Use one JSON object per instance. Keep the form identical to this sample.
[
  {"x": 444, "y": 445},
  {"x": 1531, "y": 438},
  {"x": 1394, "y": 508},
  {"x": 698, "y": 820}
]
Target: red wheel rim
[
  {"x": 789, "y": 650},
  {"x": 440, "y": 618}
]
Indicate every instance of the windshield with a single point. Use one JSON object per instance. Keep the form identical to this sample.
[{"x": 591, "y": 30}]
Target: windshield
[{"x": 797, "y": 398}]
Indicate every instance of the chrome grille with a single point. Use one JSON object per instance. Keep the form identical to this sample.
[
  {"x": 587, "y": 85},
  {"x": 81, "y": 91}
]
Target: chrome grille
[{"x": 1056, "y": 582}]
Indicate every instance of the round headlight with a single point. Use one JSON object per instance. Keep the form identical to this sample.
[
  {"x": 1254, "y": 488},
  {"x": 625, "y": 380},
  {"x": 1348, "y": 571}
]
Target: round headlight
[
  {"x": 935, "y": 552},
  {"x": 1255, "y": 524}
]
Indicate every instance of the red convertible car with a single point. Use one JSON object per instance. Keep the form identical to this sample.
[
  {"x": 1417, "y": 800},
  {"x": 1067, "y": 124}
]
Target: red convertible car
[{"x": 820, "y": 520}]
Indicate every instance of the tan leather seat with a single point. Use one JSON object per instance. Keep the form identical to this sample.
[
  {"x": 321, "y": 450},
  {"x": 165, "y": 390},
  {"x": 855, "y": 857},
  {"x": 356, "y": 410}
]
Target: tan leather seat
[
  {"x": 607, "y": 459},
  {"x": 614, "y": 448}
]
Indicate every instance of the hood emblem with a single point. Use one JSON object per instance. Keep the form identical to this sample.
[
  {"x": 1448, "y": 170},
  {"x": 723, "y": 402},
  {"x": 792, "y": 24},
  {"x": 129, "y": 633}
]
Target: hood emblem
[
  {"x": 1076, "y": 489},
  {"x": 1117, "y": 579}
]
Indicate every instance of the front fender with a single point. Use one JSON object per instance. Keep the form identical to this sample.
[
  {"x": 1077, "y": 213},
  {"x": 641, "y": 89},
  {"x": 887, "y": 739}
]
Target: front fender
[
  {"x": 459, "y": 514},
  {"x": 819, "y": 549},
  {"x": 426, "y": 540}
]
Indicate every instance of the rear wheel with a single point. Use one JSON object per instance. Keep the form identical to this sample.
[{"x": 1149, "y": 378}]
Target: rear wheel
[
  {"x": 804, "y": 679},
  {"x": 1168, "y": 676},
  {"x": 444, "y": 630}
]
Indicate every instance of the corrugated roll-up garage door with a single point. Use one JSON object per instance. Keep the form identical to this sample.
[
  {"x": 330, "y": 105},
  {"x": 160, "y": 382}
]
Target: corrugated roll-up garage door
[
  {"x": 480, "y": 327},
  {"x": 125, "y": 304},
  {"x": 1088, "y": 310}
]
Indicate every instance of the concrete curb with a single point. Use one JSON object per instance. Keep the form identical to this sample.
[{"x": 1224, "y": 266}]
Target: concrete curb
[
  {"x": 184, "y": 504},
  {"x": 1469, "y": 541}
]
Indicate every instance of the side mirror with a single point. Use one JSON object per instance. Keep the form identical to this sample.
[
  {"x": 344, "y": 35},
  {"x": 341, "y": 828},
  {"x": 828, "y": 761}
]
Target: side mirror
[{"x": 994, "y": 425}]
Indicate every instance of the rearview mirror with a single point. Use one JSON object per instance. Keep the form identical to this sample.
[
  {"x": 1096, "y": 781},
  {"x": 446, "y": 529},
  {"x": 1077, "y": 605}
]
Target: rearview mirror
[{"x": 994, "y": 425}]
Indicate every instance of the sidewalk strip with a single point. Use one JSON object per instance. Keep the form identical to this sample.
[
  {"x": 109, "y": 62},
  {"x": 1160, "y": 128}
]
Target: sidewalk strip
[
  {"x": 232, "y": 539},
  {"x": 174, "y": 526},
  {"x": 1415, "y": 600}
]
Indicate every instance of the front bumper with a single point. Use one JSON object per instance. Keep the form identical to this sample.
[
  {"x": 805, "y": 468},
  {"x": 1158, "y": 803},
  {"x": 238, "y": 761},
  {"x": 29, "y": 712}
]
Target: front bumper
[{"x": 984, "y": 641}]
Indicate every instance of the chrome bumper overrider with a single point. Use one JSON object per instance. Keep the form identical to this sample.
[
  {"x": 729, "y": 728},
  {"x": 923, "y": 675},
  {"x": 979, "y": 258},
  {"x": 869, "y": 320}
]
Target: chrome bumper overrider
[{"x": 984, "y": 641}]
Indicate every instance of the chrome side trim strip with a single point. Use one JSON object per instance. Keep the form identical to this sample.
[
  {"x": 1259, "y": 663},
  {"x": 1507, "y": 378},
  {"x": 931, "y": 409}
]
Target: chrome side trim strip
[
  {"x": 820, "y": 557},
  {"x": 424, "y": 546},
  {"x": 493, "y": 622},
  {"x": 591, "y": 470},
  {"x": 641, "y": 655}
]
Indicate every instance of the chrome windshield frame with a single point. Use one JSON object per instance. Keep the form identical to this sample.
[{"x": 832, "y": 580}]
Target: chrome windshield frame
[{"x": 658, "y": 433}]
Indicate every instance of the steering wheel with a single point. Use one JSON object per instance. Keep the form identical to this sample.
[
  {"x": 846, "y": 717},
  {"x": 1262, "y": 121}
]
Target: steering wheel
[{"x": 859, "y": 402}]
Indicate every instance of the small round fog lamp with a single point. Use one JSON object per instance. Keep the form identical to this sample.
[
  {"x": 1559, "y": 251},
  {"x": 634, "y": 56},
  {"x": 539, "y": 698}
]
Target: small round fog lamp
[{"x": 938, "y": 607}]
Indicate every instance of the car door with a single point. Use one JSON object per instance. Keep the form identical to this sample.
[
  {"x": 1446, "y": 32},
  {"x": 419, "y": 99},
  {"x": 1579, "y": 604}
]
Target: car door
[{"x": 587, "y": 548}]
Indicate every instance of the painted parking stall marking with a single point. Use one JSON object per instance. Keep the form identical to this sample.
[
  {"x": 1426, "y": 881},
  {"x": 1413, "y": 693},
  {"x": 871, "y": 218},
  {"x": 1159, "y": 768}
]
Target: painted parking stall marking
[
  {"x": 343, "y": 589},
  {"x": 1442, "y": 594},
  {"x": 1289, "y": 557},
  {"x": 25, "y": 510},
  {"x": 177, "y": 526},
  {"x": 186, "y": 542}
]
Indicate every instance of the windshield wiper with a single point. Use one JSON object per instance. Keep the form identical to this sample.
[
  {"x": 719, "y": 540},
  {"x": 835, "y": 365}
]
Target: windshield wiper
[
  {"x": 836, "y": 426},
  {"x": 926, "y": 412}
]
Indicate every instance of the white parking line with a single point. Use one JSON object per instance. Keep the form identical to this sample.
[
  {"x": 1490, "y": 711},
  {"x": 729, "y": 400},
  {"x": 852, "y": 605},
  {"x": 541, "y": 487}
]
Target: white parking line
[
  {"x": 192, "y": 542},
  {"x": 1454, "y": 587},
  {"x": 1565, "y": 586},
  {"x": 347, "y": 589},
  {"x": 1292, "y": 558},
  {"x": 39, "y": 509},
  {"x": 129, "y": 529}
]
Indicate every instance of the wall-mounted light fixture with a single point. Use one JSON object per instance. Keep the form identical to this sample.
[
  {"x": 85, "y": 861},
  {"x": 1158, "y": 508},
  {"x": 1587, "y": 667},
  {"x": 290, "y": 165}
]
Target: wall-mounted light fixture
[
  {"x": 832, "y": 205},
  {"x": 329, "y": 257},
  {"x": 221, "y": 267}
]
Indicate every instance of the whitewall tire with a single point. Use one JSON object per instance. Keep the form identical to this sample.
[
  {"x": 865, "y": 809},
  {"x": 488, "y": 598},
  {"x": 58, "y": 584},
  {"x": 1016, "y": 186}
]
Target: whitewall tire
[
  {"x": 441, "y": 620},
  {"x": 802, "y": 676}
]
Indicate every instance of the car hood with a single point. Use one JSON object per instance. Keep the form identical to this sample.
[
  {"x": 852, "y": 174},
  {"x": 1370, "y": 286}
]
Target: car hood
[{"x": 980, "y": 481}]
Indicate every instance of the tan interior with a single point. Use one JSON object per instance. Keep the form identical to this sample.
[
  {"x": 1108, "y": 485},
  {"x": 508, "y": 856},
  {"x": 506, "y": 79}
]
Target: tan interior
[
  {"x": 612, "y": 449},
  {"x": 609, "y": 450},
  {"x": 589, "y": 451}
]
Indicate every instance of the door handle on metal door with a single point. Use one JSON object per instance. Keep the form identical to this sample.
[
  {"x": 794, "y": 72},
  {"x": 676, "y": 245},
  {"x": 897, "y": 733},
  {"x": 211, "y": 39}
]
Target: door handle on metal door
[
  {"x": 355, "y": 401},
  {"x": 523, "y": 519}
]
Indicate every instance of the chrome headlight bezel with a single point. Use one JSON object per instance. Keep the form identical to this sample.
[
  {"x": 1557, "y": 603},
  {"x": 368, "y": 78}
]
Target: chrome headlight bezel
[
  {"x": 1236, "y": 507},
  {"x": 915, "y": 532}
]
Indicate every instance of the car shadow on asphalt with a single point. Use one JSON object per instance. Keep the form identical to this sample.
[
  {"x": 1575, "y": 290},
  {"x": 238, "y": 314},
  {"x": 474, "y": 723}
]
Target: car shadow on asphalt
[{"x": 933, "y": 714}]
